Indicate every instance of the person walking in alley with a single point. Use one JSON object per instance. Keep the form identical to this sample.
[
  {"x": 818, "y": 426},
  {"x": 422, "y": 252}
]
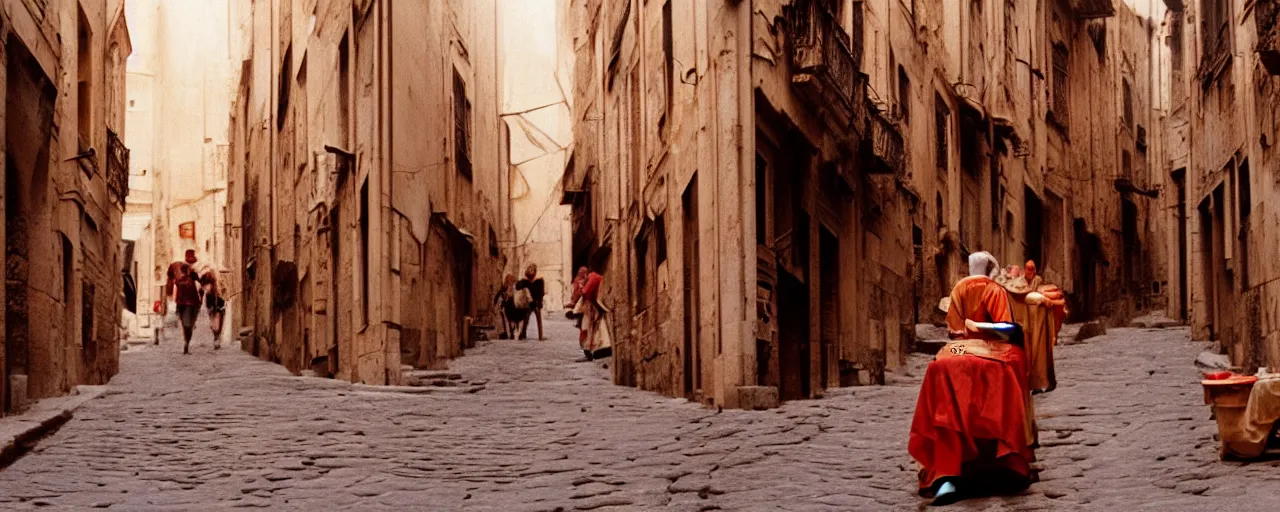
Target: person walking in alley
[
  {"x": 537, "y": 290},
  {"x": 213, "y": 301},
  {"x": 575, "y": 297},
  {"x": 595, "y": 337},
  {"x": 971, "y": 426},
  {"x": 183, "y": 285},
  {"x": 512, "y": 306}
]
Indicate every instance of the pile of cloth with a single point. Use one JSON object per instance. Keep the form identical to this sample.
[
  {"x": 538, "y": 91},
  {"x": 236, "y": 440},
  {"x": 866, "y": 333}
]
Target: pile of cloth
[{"x": 1249, "y": 432}]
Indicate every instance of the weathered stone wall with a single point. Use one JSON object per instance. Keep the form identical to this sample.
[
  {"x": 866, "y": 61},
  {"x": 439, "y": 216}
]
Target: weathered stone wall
[
  {"x": 62, "y": 228},
  {"x": 349, "y": 167},
  {"x": 989, "y": 65},
  {"x": 1226, "y": 126},
  {"x": 1006, "y": 177}
]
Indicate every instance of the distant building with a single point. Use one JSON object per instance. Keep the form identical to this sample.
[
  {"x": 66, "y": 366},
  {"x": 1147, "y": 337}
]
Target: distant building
[
  {"x": 778, "y": 191},
  {"x": 366, "y": 185},
  {"x": 180, "y": 87},
  {"x": 537, "y": 69},
  {"x": 65, "y": 185}
]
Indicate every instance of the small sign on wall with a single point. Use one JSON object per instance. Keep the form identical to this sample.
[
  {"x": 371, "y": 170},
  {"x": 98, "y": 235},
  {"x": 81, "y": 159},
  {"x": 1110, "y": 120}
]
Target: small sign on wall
[{"x": 187, "y": 230}]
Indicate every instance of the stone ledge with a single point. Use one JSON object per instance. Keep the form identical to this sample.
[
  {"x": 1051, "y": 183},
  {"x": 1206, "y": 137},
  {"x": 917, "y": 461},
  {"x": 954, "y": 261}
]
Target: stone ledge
[
  {"x": 18, "y": 433},
  {"x": 757, "y": 398}
]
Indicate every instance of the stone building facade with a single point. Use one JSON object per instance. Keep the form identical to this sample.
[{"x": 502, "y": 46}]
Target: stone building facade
[
  {"x": 366, "y": 157},
  {"x": 1221, "y": 169},
  {"x": 65, "y": 183},
  {"x": 777, "y": 191}
]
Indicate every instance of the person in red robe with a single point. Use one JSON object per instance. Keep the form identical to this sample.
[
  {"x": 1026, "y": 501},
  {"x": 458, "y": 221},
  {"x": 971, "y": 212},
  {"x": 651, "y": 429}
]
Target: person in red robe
[{"x": 970, "y": 428}]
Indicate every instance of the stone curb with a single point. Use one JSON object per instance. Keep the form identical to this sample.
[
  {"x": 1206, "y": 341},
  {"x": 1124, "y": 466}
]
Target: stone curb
[{"x": 19, "y": 433}]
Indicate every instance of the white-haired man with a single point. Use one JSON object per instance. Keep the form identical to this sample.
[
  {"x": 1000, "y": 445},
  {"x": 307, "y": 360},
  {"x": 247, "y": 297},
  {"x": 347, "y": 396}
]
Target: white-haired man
[{"x": 970, "y": 428}]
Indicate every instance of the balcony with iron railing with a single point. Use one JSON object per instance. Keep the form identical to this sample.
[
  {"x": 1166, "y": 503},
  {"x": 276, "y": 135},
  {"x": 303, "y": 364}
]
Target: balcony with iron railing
[
  {"x": 886, "y": 146},
  {"x": 826, "y": 61},
  {"x": 1267, "y": 19},
  {"x": 117, "y": 168}
]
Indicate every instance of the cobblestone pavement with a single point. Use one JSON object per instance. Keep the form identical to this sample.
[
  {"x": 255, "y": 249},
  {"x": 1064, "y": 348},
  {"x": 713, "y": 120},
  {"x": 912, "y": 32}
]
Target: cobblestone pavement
[{"x": 1126, "y": 430}]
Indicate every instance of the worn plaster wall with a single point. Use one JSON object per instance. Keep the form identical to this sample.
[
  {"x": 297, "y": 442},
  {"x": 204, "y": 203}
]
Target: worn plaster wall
[
  {"x": 62, "y": 226},
  {"x": 987, "y": 67},
  {"x": 985, "y": 163},
  {"x": 348, "y": 170},
  {"x": 1224, "y": 103}
]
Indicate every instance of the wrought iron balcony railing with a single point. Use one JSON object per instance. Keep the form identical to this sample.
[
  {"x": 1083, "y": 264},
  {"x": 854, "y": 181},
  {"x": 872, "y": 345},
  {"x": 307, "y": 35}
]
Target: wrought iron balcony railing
[
  {"x": 117, "y": 168},
  {"x": 886, "y": 144},
  {"x": 825, "y": 59},
  {"x": 1267, "y": 18}
]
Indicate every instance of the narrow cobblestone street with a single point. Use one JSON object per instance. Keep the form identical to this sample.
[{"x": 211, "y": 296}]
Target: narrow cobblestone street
[{"x": 1126, "y": 429}]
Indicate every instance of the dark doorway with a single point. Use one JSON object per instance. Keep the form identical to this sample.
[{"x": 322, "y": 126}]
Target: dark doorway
[
  {"x": 1088, "y": 252},
  {"x": 1206, "y": 264},
  {"x": 1244, "y": 208},
  {"x": 1213, "y": 260},
  {"x": 917, "y": 270},
  {"x": 1179, "y": 181},
  {"x": 692, "y": 326},
  {"x": 28, "y": 117},
  {"x": 462, "y": 253},
  {"x": 793, "y": 338},
  {"x": 335, "y": 305},
  {"x": 1132, "y": 246},
  {"x": 68, "y": 289},
  {"x": 829, "y": 295},
  {"x": 16, "y": 256},
  {"x": 1034, "y": 232}
]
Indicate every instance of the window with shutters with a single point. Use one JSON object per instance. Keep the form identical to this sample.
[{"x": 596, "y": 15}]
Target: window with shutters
[
  {"x": 1177, "y": 85},
  {"x": 904, "y": 95},
  {"x": 615, "y": 44},
  {"x": 84, "y": 81},
  {"x": 344, "y": 92},
  {"x": 282, "y": 87},
  {"x": 87, "y": 295},
  {"x": 1061, "y": 86},
  {"x": 668, "y": 55},
  {"x": 461, "y": 126},
  {"x": 941, "y": 220},
  {"x": 642, "y": 269},
  {"x": 1128, "y": 104},
  {"x": 1215, "y": 27},
  {"x": 942, "y": 121}
]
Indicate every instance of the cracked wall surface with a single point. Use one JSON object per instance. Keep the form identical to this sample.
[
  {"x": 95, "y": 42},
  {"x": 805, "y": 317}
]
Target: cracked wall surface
[
  {"x": 1219, "y": 169},
  {"x": 367, "y": 163},
  {"x": 968, "y": 90},
  {"x": 62, "y": 227}
]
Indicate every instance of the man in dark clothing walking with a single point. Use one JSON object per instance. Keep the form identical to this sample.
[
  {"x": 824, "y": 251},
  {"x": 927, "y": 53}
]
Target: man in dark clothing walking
[
  {"x": 537, "y": 290},
  {"x": 184, "y": 285}
]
